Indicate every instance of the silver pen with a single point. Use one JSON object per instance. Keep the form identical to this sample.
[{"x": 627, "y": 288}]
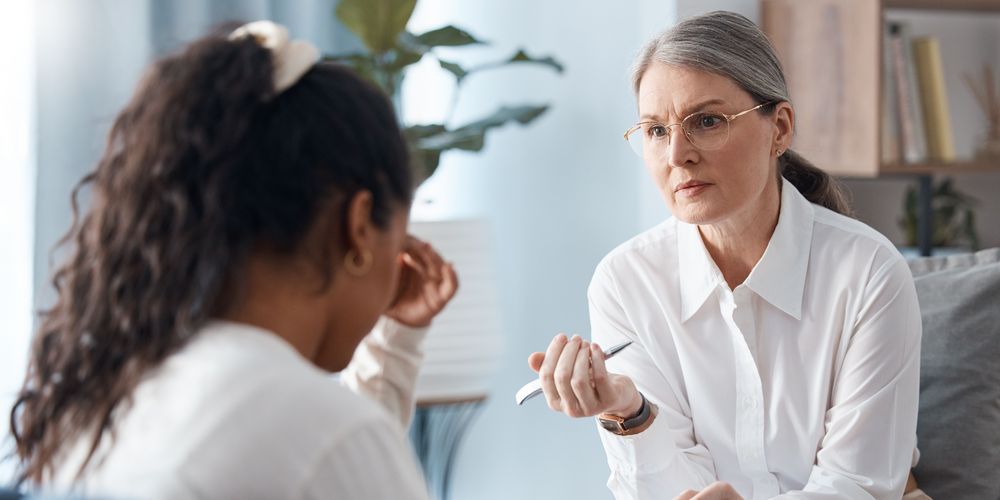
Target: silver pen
[{"x": 534, "y": 388}]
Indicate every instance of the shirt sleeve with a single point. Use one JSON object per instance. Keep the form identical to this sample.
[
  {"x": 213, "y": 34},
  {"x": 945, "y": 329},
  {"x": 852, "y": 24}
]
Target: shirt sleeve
[
  {"x": 373, "y": 461},
  {"x": 666, "y": 458},
  {"x": 385, "y": 367},
  {"x": 871, "y": 425}
]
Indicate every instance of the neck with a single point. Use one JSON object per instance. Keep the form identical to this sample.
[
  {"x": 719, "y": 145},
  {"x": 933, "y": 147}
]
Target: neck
[
  {"x": 270, "y": 300},
  {"x": 737, "y": 243}
]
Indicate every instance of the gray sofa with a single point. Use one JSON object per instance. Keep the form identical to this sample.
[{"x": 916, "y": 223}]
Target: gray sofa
[{"x": 958, "y": 429}]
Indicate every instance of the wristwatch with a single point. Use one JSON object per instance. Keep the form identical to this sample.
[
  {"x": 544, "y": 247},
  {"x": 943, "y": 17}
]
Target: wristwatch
[{"x": 632, "y": 425}]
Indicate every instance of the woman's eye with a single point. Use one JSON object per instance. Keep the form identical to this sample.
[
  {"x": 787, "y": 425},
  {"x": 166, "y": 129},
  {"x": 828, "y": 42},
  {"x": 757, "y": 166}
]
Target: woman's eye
[
  {"x": 707, "y": 121},
  {"x": 656, "y": 131}
]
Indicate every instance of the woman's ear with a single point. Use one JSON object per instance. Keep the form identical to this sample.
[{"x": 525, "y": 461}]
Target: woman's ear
[
  {"x": 784, "y": 126},
  {"x": 360, "y": 229}
]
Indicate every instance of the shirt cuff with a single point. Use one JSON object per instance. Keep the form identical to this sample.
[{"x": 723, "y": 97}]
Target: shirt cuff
[
  {"x": 647, "y": 452},
  {"x": 391, "y": 333}
]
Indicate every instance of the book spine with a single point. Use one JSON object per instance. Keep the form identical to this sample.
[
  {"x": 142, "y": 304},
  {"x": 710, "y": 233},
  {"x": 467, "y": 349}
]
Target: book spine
[
  {"x": 891, "y": 147},
  {"x": 906, "y": 120},
  {"x": 933, "y": 99}
]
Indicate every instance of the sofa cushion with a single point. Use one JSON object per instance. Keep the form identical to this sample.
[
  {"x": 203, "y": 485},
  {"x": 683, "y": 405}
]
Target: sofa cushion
[{"x": 958, "y": 430}]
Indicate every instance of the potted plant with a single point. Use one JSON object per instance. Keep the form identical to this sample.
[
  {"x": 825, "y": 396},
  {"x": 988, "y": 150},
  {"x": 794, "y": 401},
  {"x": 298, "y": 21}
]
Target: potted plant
[
  {"x": 463, "y": 346},
  {"x": 953, "y": 219},
  {"x": 389, "y": 50}
]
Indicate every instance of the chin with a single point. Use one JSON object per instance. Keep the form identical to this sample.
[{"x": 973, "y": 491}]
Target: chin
[{"x": 698, "y": 215}]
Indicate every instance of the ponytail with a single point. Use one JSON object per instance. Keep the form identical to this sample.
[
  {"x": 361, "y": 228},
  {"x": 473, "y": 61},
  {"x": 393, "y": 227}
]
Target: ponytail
[{"x": 815, "y": 185}]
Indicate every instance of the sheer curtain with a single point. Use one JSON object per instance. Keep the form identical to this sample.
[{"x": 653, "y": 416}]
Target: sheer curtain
[{"x": 17, "y": 168}]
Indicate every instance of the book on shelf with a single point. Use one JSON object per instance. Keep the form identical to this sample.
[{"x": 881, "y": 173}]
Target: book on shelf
[
  {"x": 903, "y": 124},
  {"x": 889, "y": 136},
  {"x": 933, "y": 99}
]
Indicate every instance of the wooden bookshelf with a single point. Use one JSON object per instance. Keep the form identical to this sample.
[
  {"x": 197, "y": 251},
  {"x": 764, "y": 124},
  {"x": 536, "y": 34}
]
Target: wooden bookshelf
[
  {"x": 958, "y": 167},
  {"x": 951, "y": 5},
  {"x": 831, "y": 52}
]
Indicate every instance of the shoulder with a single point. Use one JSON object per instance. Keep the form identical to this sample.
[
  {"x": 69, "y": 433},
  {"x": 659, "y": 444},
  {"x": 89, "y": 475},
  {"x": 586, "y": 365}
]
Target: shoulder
[
  {"x": 847, "y": 254},
  {"x": 279, "y": 418},
  {"x": 653, "y": 247},
  {"x": 851, "y": 244}
]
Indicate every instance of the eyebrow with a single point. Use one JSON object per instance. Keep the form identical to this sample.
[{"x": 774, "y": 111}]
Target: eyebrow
[{"x": 688, "y": 112}]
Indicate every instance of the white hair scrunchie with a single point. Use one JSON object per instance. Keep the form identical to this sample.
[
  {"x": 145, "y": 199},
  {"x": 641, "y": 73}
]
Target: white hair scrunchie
[{"x": 292, "y": 58}]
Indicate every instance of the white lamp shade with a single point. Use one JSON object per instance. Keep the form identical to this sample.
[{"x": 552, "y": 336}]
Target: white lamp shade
[{"x": 463, "y": 345}]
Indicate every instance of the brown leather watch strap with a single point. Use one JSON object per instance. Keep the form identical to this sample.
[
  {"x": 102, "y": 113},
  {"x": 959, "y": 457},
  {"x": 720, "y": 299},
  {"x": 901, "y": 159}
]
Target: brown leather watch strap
[{"x": 632, "y": 425}]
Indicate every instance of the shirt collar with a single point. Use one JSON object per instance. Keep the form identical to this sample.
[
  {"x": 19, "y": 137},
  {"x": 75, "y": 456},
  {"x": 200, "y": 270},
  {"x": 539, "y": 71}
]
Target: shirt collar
[
  {"x": 779, "y": 277},
  {"x": 699, "y": 275}
]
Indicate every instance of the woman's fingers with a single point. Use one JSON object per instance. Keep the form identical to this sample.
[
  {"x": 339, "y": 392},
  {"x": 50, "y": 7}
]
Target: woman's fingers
[
  {"x": 718, "y": 490},
  {"x": 535, "y": 361},
  {"x": 438, "y": 281},
  {"x": 437, "y": 263},
  {"x": 548, "y": 369},
  {"x": 414, "y": 263},
  {"x": 582, "y": 382},
  {"x": 602, "y": 382},
  {"x": 575, "y": 379},
  {"x": 429, "y": 259},
  {"x": 449, "y": 282},
  {"x": 564, "y": 377}
]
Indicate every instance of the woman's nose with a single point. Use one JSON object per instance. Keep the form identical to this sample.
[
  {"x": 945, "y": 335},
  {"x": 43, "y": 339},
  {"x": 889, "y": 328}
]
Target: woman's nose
[{"x": 678, "y": 150}]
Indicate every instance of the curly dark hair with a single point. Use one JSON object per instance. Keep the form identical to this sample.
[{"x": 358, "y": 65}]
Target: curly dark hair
[{"x": 203, "y": 164}]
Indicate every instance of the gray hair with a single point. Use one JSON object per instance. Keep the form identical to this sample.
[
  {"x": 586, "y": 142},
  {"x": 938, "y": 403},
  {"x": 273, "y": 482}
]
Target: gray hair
[
  {"x": 724, "y": 43},
  {"x": 730, "y": 45}
]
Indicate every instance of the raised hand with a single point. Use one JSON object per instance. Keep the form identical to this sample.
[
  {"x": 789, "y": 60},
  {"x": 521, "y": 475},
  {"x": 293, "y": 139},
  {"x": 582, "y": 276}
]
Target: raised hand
[
  {"x": 576, "y": 381},
  {"x": 426, "y": 284}
]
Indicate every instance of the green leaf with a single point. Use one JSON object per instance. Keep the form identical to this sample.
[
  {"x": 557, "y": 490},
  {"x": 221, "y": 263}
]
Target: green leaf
[
  {"x": 448, "y": 36},
  {"x": 521, "y": 114},
  {"x": 427, "y": 142},
  {"x": 377, "y": 23},
  {"x": 471, "y": 137},
  {"x": 414, "y": 132},
  {"x": 401, "y": 58},
  {"x": 454, "y": 69},
  {"x": 522, "y": 57}
]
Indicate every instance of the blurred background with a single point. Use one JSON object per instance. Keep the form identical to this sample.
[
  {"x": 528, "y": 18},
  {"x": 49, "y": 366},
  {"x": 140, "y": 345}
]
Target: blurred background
[{"x": 558, "y": 194}]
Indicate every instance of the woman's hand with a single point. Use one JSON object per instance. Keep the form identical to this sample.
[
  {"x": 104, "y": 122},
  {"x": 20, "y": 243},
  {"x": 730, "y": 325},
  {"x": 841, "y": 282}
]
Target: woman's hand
[
  {"x": 426, "y": 284},
  {"x": 715, "y": 491},
  {"x": 577, "y": 383}
]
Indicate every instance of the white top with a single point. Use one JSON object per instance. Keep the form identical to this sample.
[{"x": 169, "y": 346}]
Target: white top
[
  {"x": 800, "y": 383},
  {"x": 238, "y": 413}
]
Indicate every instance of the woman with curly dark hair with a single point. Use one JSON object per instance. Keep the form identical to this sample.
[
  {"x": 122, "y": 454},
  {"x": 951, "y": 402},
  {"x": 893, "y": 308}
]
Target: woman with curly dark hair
[{"x": 245, "y": 233}]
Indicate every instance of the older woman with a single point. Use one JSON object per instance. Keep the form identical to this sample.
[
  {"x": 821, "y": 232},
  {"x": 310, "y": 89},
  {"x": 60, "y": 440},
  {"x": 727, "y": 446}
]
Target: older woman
[{"x": 776, "y": 340}]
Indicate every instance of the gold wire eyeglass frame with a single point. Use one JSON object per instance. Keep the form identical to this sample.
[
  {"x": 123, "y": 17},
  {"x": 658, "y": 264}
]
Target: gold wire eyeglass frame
[{"x": 729, "y": 120}]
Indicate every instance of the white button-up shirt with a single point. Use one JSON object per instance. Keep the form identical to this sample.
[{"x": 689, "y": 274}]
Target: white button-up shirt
[{"x": 800, "y": 383}]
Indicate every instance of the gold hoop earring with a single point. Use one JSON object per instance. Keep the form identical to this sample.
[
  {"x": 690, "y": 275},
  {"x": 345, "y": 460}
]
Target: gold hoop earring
[{"x": 358, "y": 263}]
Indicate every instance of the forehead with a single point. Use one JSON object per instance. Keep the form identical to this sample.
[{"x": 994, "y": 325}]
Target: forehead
[{"x": 667, "y": 90}]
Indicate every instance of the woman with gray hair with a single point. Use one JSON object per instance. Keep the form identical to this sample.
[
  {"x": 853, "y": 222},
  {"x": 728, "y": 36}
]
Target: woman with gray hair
[{"x": 777, "y": 340}]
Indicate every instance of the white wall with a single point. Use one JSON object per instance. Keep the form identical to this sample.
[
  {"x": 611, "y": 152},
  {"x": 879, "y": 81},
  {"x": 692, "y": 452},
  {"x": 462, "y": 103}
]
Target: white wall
[{"x": 17, "y": 138}]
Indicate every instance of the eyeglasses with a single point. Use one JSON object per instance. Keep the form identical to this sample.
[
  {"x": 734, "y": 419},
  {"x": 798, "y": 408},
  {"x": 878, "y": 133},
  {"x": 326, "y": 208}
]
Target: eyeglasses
[{"x": 706, "y": 130}]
